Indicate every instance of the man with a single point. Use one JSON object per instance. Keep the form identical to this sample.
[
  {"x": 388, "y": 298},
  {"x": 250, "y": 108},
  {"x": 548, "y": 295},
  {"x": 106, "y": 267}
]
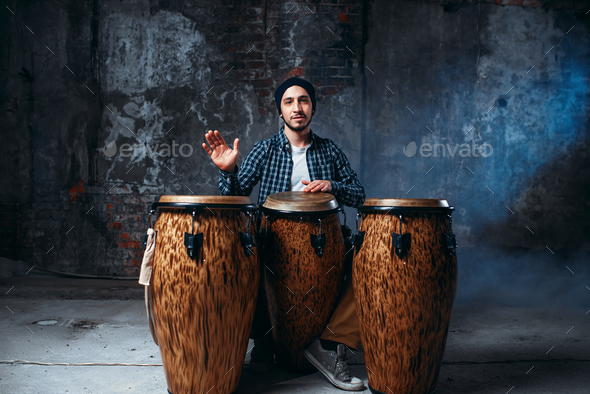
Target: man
[{"x": 296, "y": 159}]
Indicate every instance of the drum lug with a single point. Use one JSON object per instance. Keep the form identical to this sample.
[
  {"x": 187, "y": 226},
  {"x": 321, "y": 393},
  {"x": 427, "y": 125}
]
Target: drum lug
[
  {"x": 450, "y": 242},
  {"x": 152, "y": 211},
  {"x": 318, "y": 242},
  {"x": 247, "y": 241},
  {"x": 346, "y": 232},
  {"x": 358, "y": 239},
  {"x": 193, "y": 243},
  {"x": 401, "y": 242}
]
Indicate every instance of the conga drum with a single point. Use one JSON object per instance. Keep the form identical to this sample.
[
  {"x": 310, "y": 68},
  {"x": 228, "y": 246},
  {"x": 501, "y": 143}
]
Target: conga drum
[
  {"x": 303, "y": 250},
  {"x": 405, "y": 279},
  {"x": 203, "y": 290}
]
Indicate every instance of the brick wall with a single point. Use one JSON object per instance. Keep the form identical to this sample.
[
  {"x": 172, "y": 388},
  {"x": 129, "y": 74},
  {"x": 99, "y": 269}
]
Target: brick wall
[{"x": 80, "y": 220}]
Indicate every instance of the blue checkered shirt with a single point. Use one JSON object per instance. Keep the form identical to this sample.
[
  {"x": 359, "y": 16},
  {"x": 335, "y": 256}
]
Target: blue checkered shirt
[{"x": 271, "y": 163}]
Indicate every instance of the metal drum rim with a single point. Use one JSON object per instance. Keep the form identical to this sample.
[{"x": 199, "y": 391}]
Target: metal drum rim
[
  {"x": 203, "y": 201},
  {"x": 175, "y": 205},
  {"x": 282, "y": 212},
  {"x": 291, "y": 207},
  {"x": 402, "y": 205}
]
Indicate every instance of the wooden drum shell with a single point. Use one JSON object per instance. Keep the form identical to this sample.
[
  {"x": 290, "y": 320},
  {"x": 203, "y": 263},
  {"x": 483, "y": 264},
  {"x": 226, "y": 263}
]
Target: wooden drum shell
[
  {"x": 203, "y": 308},
  {"x": 404, "y": 304},
  {"x": 301, "y": 287}
]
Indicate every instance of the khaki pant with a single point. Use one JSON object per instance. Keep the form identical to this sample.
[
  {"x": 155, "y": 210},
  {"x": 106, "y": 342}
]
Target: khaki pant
[{"x": 343, "y": 326}]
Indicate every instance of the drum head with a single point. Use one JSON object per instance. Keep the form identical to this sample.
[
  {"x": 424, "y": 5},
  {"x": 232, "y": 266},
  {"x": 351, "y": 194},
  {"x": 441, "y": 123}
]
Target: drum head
[
  {"x": 301, "y": 202},
  {"x": 397, "y": 204},
  {"x": 236, "y": 202}
]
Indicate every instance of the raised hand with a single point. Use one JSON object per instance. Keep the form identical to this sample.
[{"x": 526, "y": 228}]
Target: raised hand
[{"x": 222, "y": 155}]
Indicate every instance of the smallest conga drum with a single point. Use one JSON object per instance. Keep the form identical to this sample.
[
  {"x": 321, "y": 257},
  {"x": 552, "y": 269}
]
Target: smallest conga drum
[
  {"x": 203, "y": 290},
  {"x": 303, "y": 251},
  {"x": 404, "y": 278}
]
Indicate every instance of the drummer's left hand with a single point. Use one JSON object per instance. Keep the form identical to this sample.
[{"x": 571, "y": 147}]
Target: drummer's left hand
[{"x": 317, "y": 186}]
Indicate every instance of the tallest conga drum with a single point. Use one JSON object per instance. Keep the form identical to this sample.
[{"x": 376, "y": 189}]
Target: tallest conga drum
[
  {"x": 203, "y": 290},
  {"x": 405, "y": 279}
]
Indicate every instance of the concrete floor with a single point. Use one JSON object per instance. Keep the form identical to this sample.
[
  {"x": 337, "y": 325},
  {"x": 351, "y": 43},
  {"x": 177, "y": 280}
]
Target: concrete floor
[{"x": 494, "y": 345}]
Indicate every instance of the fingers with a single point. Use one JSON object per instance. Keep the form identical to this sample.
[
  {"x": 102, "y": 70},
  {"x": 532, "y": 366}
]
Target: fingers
[
  {"x": 210, "y": 139},
  {"x": 317, "y": 186},
  {"x": 236, "y": 144},
  {"x": 209, "y": 151},
  {"x": 220, "y": 140},
  {"x": 313, "y": 187},
  {"x": 213, "y": 138}
]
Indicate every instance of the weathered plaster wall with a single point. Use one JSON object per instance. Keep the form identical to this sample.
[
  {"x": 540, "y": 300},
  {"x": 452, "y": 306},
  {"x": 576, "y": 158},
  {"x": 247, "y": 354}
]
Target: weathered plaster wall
[{"x": 467, "y": 78}]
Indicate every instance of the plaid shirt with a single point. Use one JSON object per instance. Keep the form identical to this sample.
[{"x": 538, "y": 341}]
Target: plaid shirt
[{"x": 271, "y": 163}]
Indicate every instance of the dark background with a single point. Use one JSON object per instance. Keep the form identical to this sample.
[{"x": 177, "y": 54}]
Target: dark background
[{"x": 78, "y": 76}]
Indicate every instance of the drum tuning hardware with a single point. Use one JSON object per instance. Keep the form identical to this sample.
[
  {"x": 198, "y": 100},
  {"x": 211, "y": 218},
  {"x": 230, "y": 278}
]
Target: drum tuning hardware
[
  {"x": 401, "y": 242},
  {"x": 263, "y": 234},
  {"x": 318, "y": 241},
  {"x": 247, "y": 239},
  {"x": 450, "y": 241},
  {"x": 152, "y": 211},
  {"x": 346, "y": 231},
  {"x": 358, "y": 238},
  {"x": 192, "y": 241}
]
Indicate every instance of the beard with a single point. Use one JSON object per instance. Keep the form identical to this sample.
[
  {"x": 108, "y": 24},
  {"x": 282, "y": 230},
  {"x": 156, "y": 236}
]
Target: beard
[{"x": 297, "y": 128}]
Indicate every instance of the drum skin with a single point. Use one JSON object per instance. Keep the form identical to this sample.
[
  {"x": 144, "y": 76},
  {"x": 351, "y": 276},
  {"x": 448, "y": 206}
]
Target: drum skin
[
  {"x": 203, "y": 308},
  {"x": 301, "y": 287},
  {"x": 404, "y": 305}
]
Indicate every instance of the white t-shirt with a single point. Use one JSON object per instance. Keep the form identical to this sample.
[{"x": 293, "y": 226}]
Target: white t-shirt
[{"x": 300, "y": 170}]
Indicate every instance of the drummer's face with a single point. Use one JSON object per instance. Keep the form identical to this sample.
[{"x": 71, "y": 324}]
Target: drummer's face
[{"x": 296, "y": 108}]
